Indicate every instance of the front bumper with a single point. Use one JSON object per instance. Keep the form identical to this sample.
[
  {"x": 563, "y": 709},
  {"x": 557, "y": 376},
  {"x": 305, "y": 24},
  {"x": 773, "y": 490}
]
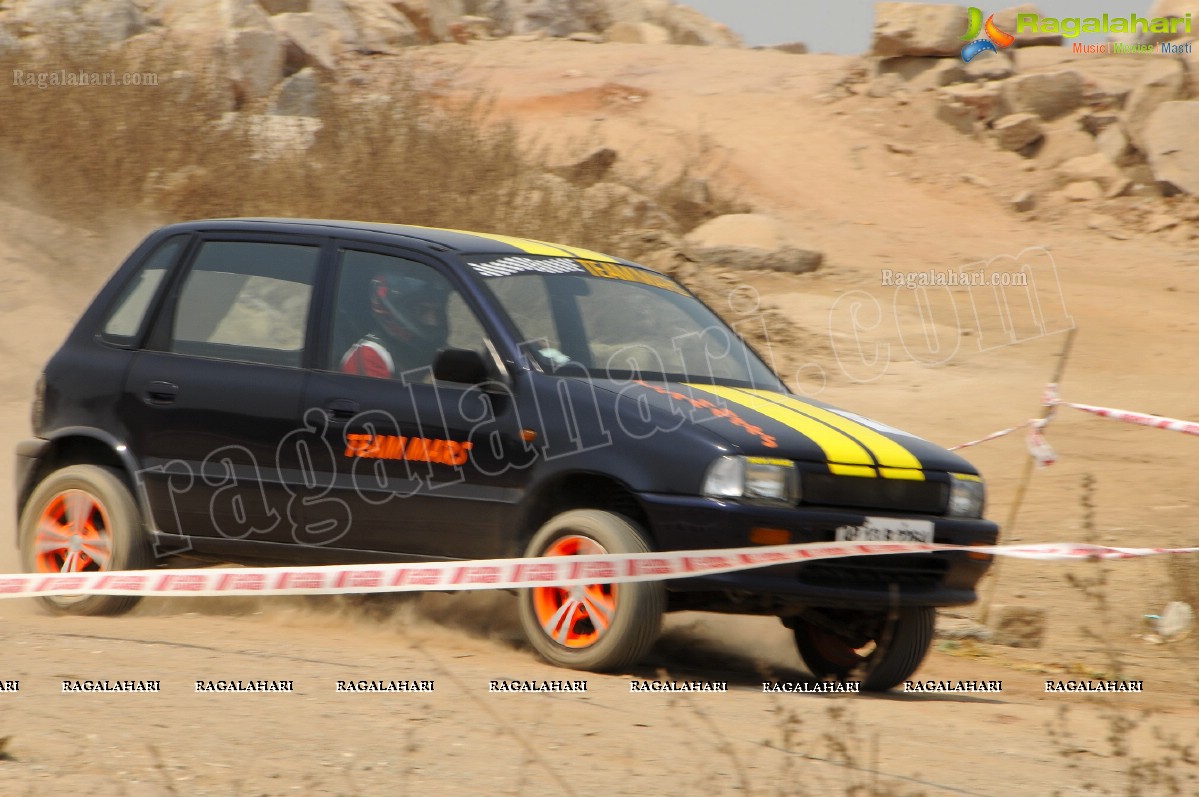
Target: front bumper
[{"x": 941, "y": 578}]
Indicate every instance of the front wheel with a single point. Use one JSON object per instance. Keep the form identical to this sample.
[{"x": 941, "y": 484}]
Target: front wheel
[
  {"x": 883, "y": 651},
  {"x": 595, "y": 627},
  {"x": 82, "y": 519}
]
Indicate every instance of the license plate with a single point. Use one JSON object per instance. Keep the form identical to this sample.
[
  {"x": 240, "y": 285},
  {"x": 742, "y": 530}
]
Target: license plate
[{"x": 885, "y": 529}]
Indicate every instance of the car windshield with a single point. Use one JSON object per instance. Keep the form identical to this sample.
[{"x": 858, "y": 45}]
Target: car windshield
[{"x": 620, "y": 322}]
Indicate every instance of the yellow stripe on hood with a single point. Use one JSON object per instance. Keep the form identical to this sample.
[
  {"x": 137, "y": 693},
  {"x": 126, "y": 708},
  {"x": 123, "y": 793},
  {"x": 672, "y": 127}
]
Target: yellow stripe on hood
[
  {"x": 851, "y": 448},
  {"x": 837, "y": 446},
  {"x": 895, "y": 461}
]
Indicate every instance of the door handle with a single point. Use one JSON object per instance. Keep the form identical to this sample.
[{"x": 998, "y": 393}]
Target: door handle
[
  {"x": 341, "y": 409},
  {"x": 161, "y": 392}
]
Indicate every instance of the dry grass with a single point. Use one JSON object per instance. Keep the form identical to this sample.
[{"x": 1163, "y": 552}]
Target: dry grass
[{"x": 391, "y": 150}]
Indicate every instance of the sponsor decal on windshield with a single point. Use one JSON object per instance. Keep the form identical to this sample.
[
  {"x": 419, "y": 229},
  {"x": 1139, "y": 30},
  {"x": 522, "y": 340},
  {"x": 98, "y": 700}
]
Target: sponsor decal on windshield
[
  {"x": 518, "y": 264},
  {"x": 507, "y": 266},
  {"x": 630, "y": 274}
]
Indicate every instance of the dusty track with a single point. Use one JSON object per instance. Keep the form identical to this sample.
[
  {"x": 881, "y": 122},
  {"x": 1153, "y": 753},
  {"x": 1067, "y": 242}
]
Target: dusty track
[{"x": 823, "y": 167}]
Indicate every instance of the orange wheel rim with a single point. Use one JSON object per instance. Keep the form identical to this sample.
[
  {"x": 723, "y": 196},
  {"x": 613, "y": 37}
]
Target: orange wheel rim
[
  {"x": 576, "y": 616},
  {"x": 73, "y": 535}
]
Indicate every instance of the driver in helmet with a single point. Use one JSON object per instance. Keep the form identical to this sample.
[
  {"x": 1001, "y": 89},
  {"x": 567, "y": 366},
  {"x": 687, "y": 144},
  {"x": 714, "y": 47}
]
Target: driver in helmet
[{"x": 410, "y": 327}]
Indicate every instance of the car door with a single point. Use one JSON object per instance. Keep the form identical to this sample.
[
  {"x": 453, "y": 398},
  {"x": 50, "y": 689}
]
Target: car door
[
  {"x": 423, "y": 469},
  {"x": 218, "y": 387}
]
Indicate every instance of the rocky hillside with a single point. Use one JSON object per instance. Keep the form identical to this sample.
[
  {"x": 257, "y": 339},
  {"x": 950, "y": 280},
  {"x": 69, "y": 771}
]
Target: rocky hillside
[
  {"x": 1107, "y": 135},
  {"x": 261, "y": 42},
  {"x": 1107, "y": 131}
]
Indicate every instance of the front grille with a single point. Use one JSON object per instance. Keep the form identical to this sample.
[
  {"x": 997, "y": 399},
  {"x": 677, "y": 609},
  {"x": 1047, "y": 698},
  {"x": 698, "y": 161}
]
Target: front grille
[
  {"x": 877, "y": 573},
  {"x": 900, "y": 495}
]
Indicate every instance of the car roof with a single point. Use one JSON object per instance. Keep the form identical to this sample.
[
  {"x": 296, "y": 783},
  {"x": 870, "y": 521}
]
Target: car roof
[{"x": 461, "y": 241}]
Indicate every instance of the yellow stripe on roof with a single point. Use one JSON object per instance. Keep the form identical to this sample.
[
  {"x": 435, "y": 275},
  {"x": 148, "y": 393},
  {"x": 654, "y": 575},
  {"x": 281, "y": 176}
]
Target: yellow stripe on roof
[
  {"x": 585, "y": 254},
  {"x": 531, "y": 246},
  {"x": 889, "y": 454},
  {"x": 526, "y": 245},
  {"x": 837, "y": 446}
]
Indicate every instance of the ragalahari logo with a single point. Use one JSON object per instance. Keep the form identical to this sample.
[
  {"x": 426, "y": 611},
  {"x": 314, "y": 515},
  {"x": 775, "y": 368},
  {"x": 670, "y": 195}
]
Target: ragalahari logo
[{"x": 995, "y": 41}]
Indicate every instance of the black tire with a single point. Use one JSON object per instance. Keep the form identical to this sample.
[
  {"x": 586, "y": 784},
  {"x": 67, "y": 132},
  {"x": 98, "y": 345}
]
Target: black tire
[
  {"x": 581, "y": 642},
  {"x": 110, "y": 529},
  {"x": 880, "y": 652}
]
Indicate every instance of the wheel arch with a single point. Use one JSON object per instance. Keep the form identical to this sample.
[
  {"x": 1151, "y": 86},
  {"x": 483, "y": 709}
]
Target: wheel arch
[
  {"x": 85, "y": 446},
  {"x": 577, "y": 490}
]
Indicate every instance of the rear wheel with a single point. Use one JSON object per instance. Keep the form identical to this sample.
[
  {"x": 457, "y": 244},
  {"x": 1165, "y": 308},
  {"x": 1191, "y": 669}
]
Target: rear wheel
[
  {"x": 880, "y": 650},
  {"x": 83, "y": 519},
  {"x": 595, "y": 626}
]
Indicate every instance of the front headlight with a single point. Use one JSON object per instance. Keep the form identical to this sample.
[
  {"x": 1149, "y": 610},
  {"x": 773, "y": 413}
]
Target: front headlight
[
  {"x": 754, "y": 478},
  {"x": 967, "y": 496}
]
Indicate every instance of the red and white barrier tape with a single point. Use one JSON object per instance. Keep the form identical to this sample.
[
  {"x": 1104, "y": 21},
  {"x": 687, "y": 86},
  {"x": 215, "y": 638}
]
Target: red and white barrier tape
[
  {"x": 1144, "y": 419},
  {"x": 505, "y": 573},
  {"x": 992, "y": 436},
  {"x": 1038, "y": 447},
  {"x": 1044, "y": 454}
]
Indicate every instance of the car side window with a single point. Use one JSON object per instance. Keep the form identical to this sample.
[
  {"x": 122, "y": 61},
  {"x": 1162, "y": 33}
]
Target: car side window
[
  {"x": 129, "y": 311},
  {"x": 246, "y": 301},
  {"x": 393, "y": 315}
]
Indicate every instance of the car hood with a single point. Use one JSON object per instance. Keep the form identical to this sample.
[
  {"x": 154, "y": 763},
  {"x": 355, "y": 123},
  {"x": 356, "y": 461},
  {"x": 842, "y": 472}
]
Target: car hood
[{"x": 769, "y": 423}]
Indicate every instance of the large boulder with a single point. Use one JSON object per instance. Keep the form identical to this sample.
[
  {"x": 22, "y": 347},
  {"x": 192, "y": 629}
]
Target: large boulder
[
  {"x": 1064, "y": 140},
  {"x": 256, "y": 59},
  {"x": 1163, "y": 80},
  {"x": 751, "y": 241},
  {"x": 986, "y": 101},
  {"x": 1171, "y": 145},
  {"x": 921, "y": 73},
  {"x": 917, "y": 29},
  {"x": 1094, "y": 168},
  {"x": 1173, "y": 9},
  {"x": 91, "y": 21},
  {"x": 553, "y": 17},
  {"x": 637, "y": 33},
  {"x": 367, "y": 26},
  {"x": 688, "y": 26},
  {"x": 1114, "y": 145},
  {"x": 637, "y": 10},
  {"x": 255, "y": 52},
  {"x": 1049, "y": 95},
  {"x": 298, "y": 95},
  {"x": 187, "y": 17},
  {"x": 234, "y": 38},
  {"x": 309, "y": 42},
  {"x": 1017, "y": 131}
]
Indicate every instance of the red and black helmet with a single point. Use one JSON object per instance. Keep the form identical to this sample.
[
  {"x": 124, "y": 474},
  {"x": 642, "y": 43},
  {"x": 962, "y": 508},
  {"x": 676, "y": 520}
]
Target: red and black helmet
[{"x": 409, "y": 309}]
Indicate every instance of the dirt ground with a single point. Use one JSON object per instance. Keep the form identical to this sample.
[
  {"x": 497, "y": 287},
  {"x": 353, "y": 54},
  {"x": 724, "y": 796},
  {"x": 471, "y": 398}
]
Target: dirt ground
[{"x": 877, "y": 184}]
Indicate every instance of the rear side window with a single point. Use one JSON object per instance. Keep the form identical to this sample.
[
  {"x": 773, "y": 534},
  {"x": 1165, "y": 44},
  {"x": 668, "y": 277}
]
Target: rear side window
[
  {"x": 246, "y": 301},
  {"x": 127, "y": 315}
]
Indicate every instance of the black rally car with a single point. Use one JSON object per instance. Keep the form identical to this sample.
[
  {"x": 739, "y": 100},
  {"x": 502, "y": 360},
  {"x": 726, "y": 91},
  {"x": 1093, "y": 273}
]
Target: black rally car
[{"x": 295, "y": 391}]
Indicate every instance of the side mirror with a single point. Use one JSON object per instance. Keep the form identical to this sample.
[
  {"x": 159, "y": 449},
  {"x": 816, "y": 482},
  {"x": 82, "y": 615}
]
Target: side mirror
[{"x": 460, "y": 365}]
